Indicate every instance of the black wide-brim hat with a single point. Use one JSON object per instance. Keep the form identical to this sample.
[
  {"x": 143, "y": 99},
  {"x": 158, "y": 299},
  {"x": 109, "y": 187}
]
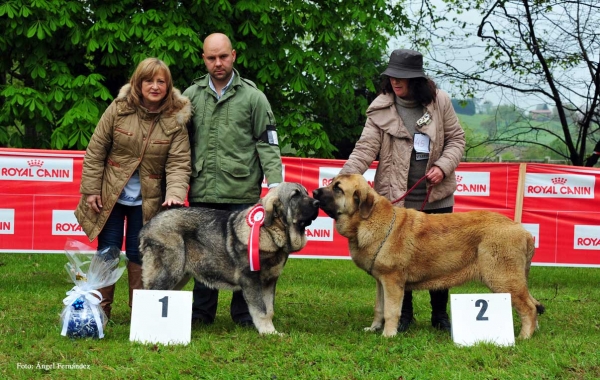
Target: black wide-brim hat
[{"x": 405, "y": 63}]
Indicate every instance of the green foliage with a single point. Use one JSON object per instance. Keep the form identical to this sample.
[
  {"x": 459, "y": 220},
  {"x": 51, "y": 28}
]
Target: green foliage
[
  {"x": 63, "y": 61},
  {"x": 321, "y": 307}
]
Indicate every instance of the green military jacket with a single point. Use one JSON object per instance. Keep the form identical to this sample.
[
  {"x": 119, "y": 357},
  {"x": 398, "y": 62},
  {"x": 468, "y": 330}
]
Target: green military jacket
[{"x": 231, "y": 152}]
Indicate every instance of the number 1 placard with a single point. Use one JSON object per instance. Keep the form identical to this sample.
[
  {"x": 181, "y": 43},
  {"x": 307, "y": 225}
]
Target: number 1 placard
[
  {"x": 161, "y": 316},
  {"x": 482, "y": 318}
]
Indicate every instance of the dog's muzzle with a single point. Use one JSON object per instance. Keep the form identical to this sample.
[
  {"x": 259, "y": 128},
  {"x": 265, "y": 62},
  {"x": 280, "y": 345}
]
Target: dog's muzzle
[
  {"x": 311, "y": 212},
  {"x": 324, "y": 201}
]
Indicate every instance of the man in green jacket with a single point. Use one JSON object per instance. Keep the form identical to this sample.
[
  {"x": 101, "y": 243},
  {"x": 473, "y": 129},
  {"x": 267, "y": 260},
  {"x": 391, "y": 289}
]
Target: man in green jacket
[{"x": 234, "y": 146}]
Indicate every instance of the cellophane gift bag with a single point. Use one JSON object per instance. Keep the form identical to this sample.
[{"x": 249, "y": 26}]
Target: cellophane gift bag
[{"x": 90, "y": 270}]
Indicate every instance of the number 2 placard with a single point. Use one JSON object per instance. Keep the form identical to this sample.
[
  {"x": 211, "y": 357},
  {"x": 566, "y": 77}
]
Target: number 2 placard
[
  {"x": 161, "y": 316},
  {"x": 483, "y": 317}
]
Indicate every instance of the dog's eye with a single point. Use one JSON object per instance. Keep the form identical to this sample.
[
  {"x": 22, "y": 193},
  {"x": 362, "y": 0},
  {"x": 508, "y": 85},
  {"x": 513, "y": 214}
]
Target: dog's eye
[{"x": 337, "y": 188}]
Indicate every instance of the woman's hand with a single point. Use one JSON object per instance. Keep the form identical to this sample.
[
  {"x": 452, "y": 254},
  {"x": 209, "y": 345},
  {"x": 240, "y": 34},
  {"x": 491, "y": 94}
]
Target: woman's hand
[
  {"x": 170, "y": 202},
  {"x": 94, "y": 202},
  {"x": 435, "y": 175}
]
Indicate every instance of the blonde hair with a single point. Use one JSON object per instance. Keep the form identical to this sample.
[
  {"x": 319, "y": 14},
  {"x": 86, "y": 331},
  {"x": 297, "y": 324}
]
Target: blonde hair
[{"x": 147, "y": 69}]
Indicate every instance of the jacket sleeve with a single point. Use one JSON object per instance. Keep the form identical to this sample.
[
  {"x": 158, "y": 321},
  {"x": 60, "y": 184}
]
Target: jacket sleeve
[
  {"x": 97, "y": 152},
  {"x": 268, "y": 151},
  {"x": 454, "y": 136},
  {"x": 365, "y": 151},
  {"x": 178, "y": 166}
]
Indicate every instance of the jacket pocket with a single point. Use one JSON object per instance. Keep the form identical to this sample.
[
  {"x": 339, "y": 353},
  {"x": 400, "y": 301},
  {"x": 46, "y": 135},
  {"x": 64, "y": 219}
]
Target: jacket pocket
[
  {"x": 123, "y": 131},
  {"x": 112, "y": 163},
  {"x": 197, "y": 167},
  {"x": 235, "y": 169}
]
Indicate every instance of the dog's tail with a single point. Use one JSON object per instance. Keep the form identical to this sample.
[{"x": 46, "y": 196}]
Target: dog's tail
[
  {"x": 530, "y": 253},
  {"x": 539, "y": 307}
]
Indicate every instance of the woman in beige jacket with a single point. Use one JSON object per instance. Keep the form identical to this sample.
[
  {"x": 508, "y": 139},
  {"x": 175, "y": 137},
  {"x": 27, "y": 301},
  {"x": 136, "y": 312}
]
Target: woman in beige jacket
[
  {"x": 137, "y": 162},
  {"x": 413, "y": 131}
]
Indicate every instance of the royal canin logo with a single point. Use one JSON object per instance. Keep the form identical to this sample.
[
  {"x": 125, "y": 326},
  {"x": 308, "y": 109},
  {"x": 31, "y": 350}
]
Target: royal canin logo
[
  {"x": 320, "y": 230},
  {"x": 586, "y": 237},
  {"x": 473, "y": 184},
  {"x": 564, "y": 186},
  {"x": 35, "y": 169},
  {"x": 559, "y": 181},
  {"x": 7, "y": 221},
  {"x": 65, "y": 223}
]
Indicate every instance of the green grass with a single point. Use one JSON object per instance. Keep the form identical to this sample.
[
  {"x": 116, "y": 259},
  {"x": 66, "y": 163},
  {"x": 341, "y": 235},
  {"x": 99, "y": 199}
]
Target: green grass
[{"x": 322, "y": 307}]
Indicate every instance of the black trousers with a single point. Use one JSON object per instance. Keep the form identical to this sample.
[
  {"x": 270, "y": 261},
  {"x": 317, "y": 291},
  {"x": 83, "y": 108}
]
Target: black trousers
[
  {"x": 438, "y": 298},
  {"x": 204, "y": 306}
]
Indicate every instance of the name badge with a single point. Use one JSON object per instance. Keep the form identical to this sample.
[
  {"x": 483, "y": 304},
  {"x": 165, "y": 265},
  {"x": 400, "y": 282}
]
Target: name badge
[
  {"x": 421, "y": 143},
  {"x": 421, "y": 156}
]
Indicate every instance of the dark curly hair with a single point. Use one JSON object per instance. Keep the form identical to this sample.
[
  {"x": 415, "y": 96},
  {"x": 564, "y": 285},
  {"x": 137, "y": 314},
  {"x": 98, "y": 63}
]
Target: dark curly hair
[{"x": 421, "y": 90}]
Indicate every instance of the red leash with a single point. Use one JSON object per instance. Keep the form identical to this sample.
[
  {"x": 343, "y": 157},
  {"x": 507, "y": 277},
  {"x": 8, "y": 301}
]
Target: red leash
[{"x": 412, "y": 188}]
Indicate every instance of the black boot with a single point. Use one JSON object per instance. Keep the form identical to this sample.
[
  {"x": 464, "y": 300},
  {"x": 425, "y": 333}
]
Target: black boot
[
  {"x": 439, "y": 316},
  {"x": 406, "y": 314},
  {"x": 204, "y": 306}
]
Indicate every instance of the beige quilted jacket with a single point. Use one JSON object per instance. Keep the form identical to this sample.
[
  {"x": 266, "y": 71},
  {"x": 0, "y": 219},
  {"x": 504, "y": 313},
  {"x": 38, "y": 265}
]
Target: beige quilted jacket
[
  {"x": 385, "y": 136},
  {"x": 127, "y": 139}
]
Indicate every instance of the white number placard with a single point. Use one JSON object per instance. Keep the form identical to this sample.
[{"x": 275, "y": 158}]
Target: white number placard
[
  {"x": 482, "y": 318},
  {"x": 161, "y": 316}
]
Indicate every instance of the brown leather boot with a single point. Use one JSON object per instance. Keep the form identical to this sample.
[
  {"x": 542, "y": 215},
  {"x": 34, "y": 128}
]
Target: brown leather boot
[
  {"x": 108, "y": 294},
  {"x": 134, "y": 274}
]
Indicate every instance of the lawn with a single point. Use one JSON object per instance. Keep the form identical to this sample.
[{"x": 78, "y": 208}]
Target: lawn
[{"x": 321, "y": 307}]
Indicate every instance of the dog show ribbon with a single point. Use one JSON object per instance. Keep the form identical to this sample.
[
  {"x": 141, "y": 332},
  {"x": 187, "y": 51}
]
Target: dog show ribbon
[{"x": 255, "y": 219}]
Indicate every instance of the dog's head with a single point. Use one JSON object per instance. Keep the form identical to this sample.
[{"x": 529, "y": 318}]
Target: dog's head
[
  {"x": 348, "y": 196},
  {"x": 289, "y": 207}
]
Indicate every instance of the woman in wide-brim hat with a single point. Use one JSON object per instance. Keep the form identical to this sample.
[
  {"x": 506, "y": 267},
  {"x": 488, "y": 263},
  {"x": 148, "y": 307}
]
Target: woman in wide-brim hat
[{"x": 413, "y": 129}]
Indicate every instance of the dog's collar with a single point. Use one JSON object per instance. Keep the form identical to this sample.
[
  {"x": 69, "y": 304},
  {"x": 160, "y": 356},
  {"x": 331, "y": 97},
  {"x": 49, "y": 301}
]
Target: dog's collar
[{"x": 383, "y": 241}]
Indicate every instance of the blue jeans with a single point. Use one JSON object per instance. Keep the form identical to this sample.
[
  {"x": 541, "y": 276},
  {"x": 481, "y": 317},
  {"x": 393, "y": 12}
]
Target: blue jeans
[{"x": 112, "y": 233}]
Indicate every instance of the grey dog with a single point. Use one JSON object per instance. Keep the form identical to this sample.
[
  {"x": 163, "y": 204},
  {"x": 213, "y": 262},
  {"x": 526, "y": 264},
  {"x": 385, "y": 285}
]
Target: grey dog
[{"x": 212, "y": 246}]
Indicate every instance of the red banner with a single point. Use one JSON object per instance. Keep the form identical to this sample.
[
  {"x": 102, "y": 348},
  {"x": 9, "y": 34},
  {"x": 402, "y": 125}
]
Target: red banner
[{"x": 559, "y": 205}]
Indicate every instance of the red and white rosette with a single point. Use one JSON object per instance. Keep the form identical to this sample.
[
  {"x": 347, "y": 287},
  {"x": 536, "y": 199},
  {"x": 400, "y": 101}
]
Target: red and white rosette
[{"x": 255, "y": 219}]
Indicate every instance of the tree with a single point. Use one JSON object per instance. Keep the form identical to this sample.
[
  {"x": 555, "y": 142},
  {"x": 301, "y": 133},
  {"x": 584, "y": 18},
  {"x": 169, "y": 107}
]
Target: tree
[
  {"x": 548, "y": 49},
  {"x": 63, "y": 61}
]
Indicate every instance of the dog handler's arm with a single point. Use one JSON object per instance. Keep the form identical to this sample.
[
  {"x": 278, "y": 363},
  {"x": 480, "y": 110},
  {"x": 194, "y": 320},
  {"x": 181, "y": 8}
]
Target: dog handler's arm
[
  {"x": 454, "y": 136},
  {"x": 267, "y": 144},
  {"x": 365, "y": 151},
  {"x": 178, "y": 169},
  {"x": 96, "y": 153}
]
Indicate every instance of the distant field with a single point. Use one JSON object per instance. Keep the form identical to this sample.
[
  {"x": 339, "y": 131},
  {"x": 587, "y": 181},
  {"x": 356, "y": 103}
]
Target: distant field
[{"x": 478, "y": 130}]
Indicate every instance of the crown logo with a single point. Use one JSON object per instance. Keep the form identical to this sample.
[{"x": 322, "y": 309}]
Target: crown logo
[
  {"x": 559, "y": 181},
  {"x": 35, "y": 162},
  {"x": 459, "y": 178}
]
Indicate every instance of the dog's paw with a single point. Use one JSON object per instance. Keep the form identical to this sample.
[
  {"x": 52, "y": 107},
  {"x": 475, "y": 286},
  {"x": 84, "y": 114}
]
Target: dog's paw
[
  {"x": 372, "y": 329},
  {"x": 274, "y": 332},
  {"x": 389, "y": 334}
]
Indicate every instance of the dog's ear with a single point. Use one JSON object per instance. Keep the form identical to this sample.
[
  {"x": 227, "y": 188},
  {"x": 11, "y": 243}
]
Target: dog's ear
[
  {"x": 365, "y": 201},
  {"x": 271, "y": 204}
]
